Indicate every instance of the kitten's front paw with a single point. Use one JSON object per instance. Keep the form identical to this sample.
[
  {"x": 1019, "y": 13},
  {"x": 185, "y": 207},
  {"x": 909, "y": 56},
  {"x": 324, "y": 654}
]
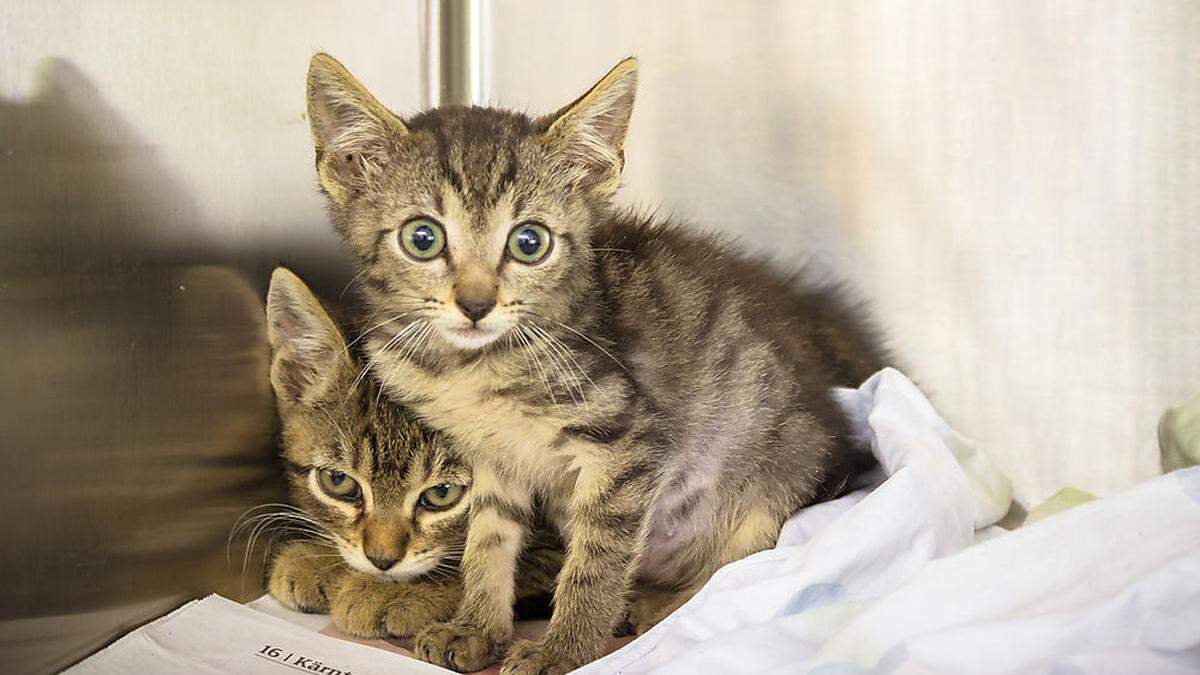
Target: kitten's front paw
[
  {"x": 302, "y": 578},
  {"x": 457, "y": 647},
  {"x": 532, "y": 658},
  {"x": 368, "y": 608}
]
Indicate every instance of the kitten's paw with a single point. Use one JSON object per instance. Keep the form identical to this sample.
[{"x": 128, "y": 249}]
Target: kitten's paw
[
  {"x": 457, "y": 647},
  {"x": 368, "y": 608},
  {"x": 532, "y": 658},
  {"x": 302, "y": 578}
]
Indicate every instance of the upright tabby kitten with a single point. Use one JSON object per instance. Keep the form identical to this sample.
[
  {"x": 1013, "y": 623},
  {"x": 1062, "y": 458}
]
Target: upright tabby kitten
[
  {"x": 381, "y": 495},
  {"x": 665, "y": 394}
]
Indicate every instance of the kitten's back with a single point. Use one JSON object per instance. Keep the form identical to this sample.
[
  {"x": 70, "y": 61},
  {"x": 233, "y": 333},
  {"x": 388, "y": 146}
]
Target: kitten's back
[{"x": 723, "y": 340}]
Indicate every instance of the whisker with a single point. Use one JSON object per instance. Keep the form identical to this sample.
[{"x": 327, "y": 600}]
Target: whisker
[
  {"x": 529, "y": 352},
  {"x": 585, "y": 337},
  {"x": 352, "y": 280},
  {"x": 244, "y": 519},
  {"x": 567, "y": 359},
  {"x": 556, "y": 362},
  {"x": 392, "y": 342},
  {"x": 379, "y": 325}
]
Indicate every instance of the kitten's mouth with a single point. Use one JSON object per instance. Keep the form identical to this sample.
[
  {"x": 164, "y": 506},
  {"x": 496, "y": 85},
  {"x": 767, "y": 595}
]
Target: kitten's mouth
[{"x": 470, "y": 337}]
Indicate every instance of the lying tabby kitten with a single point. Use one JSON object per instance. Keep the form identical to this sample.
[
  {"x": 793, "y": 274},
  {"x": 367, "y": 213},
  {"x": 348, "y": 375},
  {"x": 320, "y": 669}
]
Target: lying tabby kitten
[
  {"x": 664, "y": 393},
  {"x": 383, "y": 494}
]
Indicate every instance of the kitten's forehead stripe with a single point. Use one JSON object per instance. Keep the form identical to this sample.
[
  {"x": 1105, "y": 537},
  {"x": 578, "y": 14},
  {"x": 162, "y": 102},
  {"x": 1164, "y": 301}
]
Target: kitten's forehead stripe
[{"x": 475, "y": 150}]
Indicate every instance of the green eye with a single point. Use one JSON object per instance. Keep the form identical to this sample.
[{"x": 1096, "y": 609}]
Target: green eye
[
  {"x": 441, "y": 497},
  {"x": 338, "y": 485},
  {"x": 422, "y": 238},
  {"x": 529, "y": 243}
]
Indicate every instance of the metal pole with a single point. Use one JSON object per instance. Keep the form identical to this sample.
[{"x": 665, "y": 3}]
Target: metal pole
[{"x": 455, "y": 52}]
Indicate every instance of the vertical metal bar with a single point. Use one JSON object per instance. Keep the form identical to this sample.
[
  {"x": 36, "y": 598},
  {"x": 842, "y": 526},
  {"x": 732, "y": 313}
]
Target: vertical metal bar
[
  {"x": 431, "y": 81},
  {"x": 456, "y": 52}
]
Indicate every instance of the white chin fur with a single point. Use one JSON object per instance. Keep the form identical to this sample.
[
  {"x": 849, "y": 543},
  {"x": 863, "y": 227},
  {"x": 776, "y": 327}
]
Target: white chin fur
[
  {"x": 410, "y": 568},
  {"x": 476, "y": 339},
  {"x": 403, "y": 571}
]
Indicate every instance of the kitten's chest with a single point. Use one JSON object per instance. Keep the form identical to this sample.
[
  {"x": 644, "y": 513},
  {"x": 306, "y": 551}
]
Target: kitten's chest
[{"x": 472, "y": 406}]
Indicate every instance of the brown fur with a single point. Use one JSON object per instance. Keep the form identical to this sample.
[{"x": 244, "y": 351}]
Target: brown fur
[
  {"x": 329, "y": 422},
  {"x": 664, "y": 394}
]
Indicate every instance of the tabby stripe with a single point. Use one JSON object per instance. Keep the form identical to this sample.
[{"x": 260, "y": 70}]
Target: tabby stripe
[
  {"x": 602, "y": 433},
  {"x": 630, "y": 472},
  {"x": 504, "y": 508}
]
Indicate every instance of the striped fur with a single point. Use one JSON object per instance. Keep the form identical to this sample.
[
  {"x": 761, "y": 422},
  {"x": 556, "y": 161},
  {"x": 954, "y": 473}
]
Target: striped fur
[
  {"x": 330, "y": 423},
  {"x": 664, "y": 394}
]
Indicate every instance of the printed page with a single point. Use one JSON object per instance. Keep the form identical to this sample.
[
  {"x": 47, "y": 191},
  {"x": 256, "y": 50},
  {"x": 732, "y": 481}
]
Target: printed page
[{"x": 216, "y": 635}]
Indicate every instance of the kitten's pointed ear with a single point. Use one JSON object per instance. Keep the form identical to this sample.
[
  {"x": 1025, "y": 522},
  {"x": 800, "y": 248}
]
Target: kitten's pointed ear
[
  {"x": 351, "y": 130},
  {"x": 309, "y": 360},
  {"x": 591, "y": 131}
]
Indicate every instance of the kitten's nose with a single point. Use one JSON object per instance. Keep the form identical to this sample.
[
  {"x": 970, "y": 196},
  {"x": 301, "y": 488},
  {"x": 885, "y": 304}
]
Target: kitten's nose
[
  {"x": 384, "y": 564},
  {"x": 475, "y": 308}
]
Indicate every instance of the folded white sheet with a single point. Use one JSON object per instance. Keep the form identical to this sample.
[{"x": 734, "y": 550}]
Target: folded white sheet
[{"x": 910, "y": 578}]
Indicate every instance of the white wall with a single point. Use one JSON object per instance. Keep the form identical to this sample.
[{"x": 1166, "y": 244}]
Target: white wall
[
  {"x": 1015, "y": 184},
  {"x": 215, "y": 90}
]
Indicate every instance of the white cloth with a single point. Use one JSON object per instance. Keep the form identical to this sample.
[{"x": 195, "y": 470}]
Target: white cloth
[{"x": 905, "y": 579}]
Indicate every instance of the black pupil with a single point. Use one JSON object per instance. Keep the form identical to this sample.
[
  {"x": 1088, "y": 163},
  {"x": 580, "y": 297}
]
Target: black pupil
[
  {"x": 529, "y": 242},
  {"x": 336, "y": 477},
  {"x": 441, "y": 491},
  {"x": 423, "y": 237}
]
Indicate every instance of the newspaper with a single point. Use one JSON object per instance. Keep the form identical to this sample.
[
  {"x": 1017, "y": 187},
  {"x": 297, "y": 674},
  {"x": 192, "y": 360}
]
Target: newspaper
[{"x": 217, "y": 635}]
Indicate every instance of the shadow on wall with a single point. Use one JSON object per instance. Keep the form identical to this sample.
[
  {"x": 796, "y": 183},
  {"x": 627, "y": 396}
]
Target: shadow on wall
[{"x": 135, "y": 410}]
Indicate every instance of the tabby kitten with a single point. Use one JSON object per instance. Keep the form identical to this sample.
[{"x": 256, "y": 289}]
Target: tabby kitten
[
  {"x": 381, "y": 494},
  {"x": 664, "y": 393}
]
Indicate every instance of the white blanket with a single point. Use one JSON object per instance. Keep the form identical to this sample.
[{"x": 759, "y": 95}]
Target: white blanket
[{"x": 910, "y": 578}]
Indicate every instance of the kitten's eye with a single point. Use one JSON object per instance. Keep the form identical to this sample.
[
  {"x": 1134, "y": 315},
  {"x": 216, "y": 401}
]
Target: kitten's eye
[
  {"x": 529, "y": 243},
  {"x": 441, "y": 497},
  {"x": 338, "y": 485},
  {"x": 422, "y": 238}
]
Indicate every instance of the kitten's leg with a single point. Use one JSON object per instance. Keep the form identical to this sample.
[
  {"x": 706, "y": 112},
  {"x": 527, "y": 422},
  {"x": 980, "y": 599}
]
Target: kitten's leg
[
  {"x": 483, "y": 625},
  {"x": 304, "y": 575},
  {"x": 608, "y": 509},
  {"x": 366, "y": 607}
]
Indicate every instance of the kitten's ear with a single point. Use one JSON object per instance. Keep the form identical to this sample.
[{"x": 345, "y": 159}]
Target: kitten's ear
[
  {"x": 309, "y": 360},
  {"x": 591, "y": 131},
  {"x": 351, "y": 130}
]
